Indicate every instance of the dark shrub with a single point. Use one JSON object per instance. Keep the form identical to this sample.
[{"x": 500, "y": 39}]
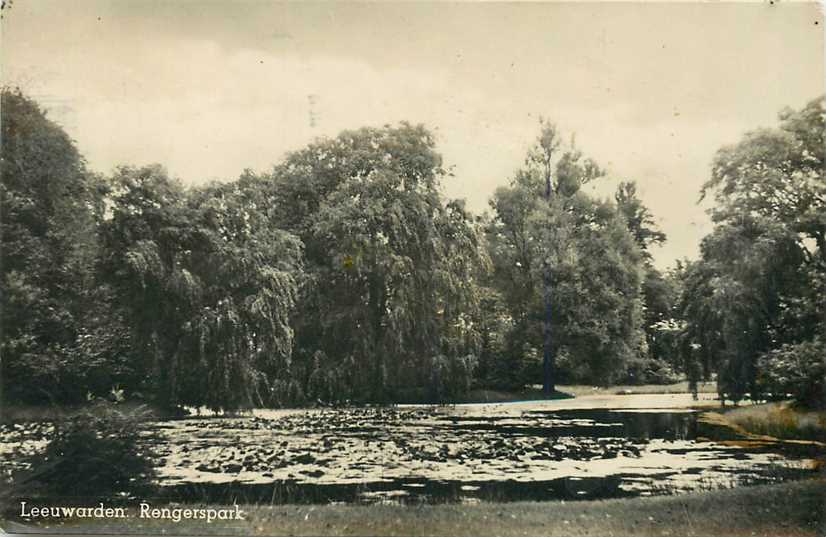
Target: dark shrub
[
  {"x": 97, "y": 453},
  {"x": 450, "y": 376},
  {"x": 650, "y": 371},
  {"x": 798, "y": 370}
]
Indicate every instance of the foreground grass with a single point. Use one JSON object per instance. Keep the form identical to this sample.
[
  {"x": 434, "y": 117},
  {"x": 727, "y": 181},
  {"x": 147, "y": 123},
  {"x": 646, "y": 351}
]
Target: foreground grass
[{"x": 794, "y": 509}]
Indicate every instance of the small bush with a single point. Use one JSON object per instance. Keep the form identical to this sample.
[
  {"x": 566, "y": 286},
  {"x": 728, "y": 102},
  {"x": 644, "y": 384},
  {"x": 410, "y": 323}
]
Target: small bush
[
  {"x": 799, "y": 370},
  {"x": 96, "y": 453},
  {"x": 650, "y": 371},
  {"x": 451, "y": 376},
  {"x": 570, "y": 370}
]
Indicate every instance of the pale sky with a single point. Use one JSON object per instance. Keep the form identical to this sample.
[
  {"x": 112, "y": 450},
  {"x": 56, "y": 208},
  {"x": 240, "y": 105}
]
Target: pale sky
[{"x": 210, "y": 88}]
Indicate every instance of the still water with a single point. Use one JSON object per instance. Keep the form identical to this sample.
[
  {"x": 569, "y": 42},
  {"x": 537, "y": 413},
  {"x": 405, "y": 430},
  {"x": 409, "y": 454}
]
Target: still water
[
  {"x": 466, "y": 453},
  {"x": 580, "y": 449}
]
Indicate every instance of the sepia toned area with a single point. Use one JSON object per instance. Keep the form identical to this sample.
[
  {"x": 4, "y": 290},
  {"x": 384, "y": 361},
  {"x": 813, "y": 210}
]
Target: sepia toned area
[{"x": 413, "y": 269}]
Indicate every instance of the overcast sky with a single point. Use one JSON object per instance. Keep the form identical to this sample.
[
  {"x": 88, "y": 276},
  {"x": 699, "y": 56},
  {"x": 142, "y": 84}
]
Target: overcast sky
[{"x": 210, "y": 88}]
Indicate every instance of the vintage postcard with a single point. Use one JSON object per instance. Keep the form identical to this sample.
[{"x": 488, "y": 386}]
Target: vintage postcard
[{"x": 413, "y": 268}]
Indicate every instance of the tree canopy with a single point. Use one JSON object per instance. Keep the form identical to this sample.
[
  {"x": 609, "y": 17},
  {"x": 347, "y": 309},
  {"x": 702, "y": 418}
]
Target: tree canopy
[
  {"x": 50, "y": 208},
  {"x": 391, "y": 265},
  {"x": 582, "y": 249},
  {"x": 344, "y": 274},
  {"x": 758, "y": 285},
  {"x": 208, "y": 285}
]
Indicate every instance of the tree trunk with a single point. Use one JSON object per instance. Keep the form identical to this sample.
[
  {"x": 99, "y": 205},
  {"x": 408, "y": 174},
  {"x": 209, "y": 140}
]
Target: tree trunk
[
  {"x": 376, "y": 305},
  {"x": 548, "y": 358}
]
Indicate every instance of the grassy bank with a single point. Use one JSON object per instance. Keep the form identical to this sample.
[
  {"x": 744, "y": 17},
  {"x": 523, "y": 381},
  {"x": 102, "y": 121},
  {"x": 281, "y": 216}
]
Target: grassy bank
[
  {"x": 16, "y": 414},
  {"x": 780, "y": 420},
  {"x": 579, "y": 390},
  {"x": 780, "y": 427},
  {"x": 773, "y": 419},
  {"x": 794, "y": 509},
  {"x": 678, "y": 387}
]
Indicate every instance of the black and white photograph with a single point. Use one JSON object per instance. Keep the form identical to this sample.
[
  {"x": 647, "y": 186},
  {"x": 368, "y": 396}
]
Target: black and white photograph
[{"x": 466, "y": 269}]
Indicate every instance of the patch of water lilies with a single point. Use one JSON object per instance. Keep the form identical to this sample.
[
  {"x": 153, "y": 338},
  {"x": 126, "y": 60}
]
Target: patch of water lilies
[{"x": 380, "y": 454}]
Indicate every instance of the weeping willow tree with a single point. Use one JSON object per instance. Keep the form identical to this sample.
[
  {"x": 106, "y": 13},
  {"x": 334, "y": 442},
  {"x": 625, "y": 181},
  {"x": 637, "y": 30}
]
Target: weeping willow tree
[
  {"x": 208, "y": 286},
  {"x": 391, "y": 285},
  {"x": 241, "y": 334}
]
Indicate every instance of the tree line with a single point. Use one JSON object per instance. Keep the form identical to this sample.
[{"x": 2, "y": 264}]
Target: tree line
[
  {"x": 753, "y": 305},
  {"x": 344, "y": 274}
]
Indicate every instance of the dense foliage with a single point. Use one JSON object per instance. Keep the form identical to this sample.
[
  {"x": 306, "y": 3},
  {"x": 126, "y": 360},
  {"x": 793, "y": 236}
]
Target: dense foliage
[
  {"x": 797, "y": 370},
  {"x": 758, "y": 287},
  {"x": 391, "y": 266},
  {"x": 208, "y": 286},
  {"x": 344, "y": 274},
  {"x": 60, "y": 339},
  {"x": 579, "y": 250}
]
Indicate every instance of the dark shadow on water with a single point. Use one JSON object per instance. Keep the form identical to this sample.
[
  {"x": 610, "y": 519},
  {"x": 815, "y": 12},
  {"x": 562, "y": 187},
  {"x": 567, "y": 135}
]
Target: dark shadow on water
[
  {"x": 425, "y": 491},
  {"x": 641, "y": 425},
  {"x": 586, "y": 423},
  {"x": 408, "y": 491}
]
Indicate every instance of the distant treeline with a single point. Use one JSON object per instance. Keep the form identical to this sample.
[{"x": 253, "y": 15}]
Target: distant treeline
[{"x": 344, "y": 274}]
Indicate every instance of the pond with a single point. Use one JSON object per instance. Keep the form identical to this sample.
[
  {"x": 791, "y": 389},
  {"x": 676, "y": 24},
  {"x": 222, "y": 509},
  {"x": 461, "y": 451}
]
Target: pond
[{"x": 467, "y": 453}]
